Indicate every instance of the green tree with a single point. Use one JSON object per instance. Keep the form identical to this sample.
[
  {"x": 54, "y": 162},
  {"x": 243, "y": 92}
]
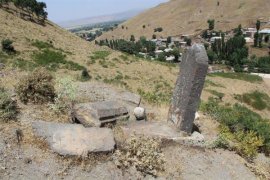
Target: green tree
[
  {"x": 132, "y": 38},
  {"x": 256, "y": 39},
  {"x": 154, "y": 36},
  {"x": 260, "y": 40},
  {"x": 239, "y": 31},
  {"x": 169, "y": 39},
  {"x": 258, "y": 25},
  {"x": 211, "y": 24},
  {"x": 266, "y": 39}
]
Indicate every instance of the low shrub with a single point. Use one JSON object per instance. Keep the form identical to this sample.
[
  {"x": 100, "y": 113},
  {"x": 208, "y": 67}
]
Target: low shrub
[
  {"x": 143, "y": 153},
  {"x": 8, "y": 107},
  {"x": 7, "y": 46},
  {"x": 85, "y": 75},
  {"x": 258, "y": 100},
  {"x": 37, "y": 87},
  {"x": 239, "y": 118},
  {"x": 248, "y": 143},
  {"x": 65, "y": 94},
  {"x": 244, "y": 143}
]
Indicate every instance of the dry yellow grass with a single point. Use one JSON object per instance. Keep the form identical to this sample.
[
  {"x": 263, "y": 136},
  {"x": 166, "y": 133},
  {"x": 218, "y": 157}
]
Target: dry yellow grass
[{"x": 190, "y": 16}]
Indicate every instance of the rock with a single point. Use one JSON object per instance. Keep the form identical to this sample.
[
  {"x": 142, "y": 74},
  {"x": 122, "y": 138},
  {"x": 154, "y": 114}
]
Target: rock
[
  {"x": 150, "y": 129},
  {"x": 188, "y": 89},
  {"x": 131, "y": 98},
  {"x": 74, "y": 139},
  {"x": 197, "y": 116},
  {"x": 96, "y": 114},
  {"x": 139, "y": 113},
  {"x": 163, "y": 131}
]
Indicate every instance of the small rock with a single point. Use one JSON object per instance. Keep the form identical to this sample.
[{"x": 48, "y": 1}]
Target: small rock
[
  {"x": 139, "y": 113},
  {"x": 197, "y": 116},
  {"x": 27, "y": 161},
  {"x": 197, "y": 136}
]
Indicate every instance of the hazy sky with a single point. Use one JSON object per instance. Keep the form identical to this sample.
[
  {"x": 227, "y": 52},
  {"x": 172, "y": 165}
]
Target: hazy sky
[{"x": 64, "y": 10}]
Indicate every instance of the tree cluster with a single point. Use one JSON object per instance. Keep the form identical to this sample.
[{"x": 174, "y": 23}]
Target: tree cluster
[
  {"x": 32, "y": 7},
  {"x": 130, "y": 47},
  {"x": 234, "y": 51}
]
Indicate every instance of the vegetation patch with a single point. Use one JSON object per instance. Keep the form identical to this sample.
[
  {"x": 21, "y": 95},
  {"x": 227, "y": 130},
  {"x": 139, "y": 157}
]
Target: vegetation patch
[
  {"x": 100, "y": 55},
  {"x": 42, "y": 44},
  {"x": 161, "y": 94},
  {"x": 238, "y": 118},
  {"x": 54, "y": 60},
  {"x": 85, "y": 76},
  {"x": 8, "y": 107},
  {"x": 23, "y": 64},
  {"x": 117, "y": 80},
  {"x": 37, "y": 87},
  {"x": 240, "y": 76},
  {"x": 246, "y": 144},
  {"x": 258, "y": 100},
  {"x": 219, "y": 95},
  {"x": 143, "y": 153},
  {"x": 66, "y": 92},
  {"x": 7, "y": 46}
]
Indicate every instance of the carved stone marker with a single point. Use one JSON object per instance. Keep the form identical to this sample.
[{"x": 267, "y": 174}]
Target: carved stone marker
[{"x": 188, "y": 88}]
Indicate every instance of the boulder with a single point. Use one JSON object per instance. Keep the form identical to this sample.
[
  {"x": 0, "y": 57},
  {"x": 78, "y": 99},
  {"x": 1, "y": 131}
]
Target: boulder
[
  {"x": 74, "y": 139},
  {"x": 139, "y": 113},
  {"x": 98, "y": 113}
]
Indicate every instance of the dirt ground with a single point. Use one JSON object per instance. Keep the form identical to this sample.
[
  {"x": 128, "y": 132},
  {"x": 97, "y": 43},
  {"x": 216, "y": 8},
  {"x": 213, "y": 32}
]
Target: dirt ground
[{"x": 32, "y": 159}]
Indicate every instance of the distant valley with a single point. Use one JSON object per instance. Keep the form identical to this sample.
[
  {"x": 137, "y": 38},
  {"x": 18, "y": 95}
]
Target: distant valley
[{"x": 100, "y": 19}]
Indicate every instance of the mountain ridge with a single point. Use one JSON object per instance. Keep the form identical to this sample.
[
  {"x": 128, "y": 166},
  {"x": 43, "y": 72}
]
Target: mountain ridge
[{"x": 178, "y": 17}]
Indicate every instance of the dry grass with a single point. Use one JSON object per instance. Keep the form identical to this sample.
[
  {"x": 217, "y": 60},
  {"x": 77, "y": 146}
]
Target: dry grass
[{"x": 189, "y": 17}]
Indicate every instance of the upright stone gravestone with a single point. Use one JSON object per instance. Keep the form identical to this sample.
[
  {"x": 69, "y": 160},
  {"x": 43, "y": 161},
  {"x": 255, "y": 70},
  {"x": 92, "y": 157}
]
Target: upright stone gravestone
[{"x": 188, "y": 88}]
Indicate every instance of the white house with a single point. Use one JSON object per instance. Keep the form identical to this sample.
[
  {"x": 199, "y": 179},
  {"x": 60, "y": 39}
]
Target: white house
[
  {"x": 170, "y": 58},
  {"x": 168, "y": 50},
  {"x": 213, "y": 39}
]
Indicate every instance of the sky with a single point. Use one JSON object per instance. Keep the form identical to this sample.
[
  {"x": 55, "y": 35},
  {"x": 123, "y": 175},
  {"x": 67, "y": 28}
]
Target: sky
[{"x": 65, "y": 10}]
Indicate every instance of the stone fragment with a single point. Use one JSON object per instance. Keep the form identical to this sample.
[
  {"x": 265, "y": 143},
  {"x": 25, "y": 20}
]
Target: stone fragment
[
  {"x": 188, "y": 88},
  {"x": 74, "y": 139},
  {"x": 139, "y": 113},
  {"x": 98, "y": 113}
]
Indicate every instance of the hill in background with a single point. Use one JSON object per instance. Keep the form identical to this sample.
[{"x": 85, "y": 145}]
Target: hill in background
[{"x": 190, "y": 17}]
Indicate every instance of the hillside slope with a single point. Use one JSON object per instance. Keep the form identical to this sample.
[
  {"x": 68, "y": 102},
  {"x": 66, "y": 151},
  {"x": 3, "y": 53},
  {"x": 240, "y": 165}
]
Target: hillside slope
[{"x": 190, "y": 16}]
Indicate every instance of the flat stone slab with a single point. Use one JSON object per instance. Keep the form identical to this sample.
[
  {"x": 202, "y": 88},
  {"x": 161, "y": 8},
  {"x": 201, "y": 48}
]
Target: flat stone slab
[
  {"x": 74, "y": 139},
  {"x": 98, "y": 113},
  {"x": 163, "y": 131}
]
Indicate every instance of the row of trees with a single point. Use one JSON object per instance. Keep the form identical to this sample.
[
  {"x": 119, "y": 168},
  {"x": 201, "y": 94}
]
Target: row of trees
[
  {"x": 130, "y": 47},
  {"x": 32, "y": 7}
]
